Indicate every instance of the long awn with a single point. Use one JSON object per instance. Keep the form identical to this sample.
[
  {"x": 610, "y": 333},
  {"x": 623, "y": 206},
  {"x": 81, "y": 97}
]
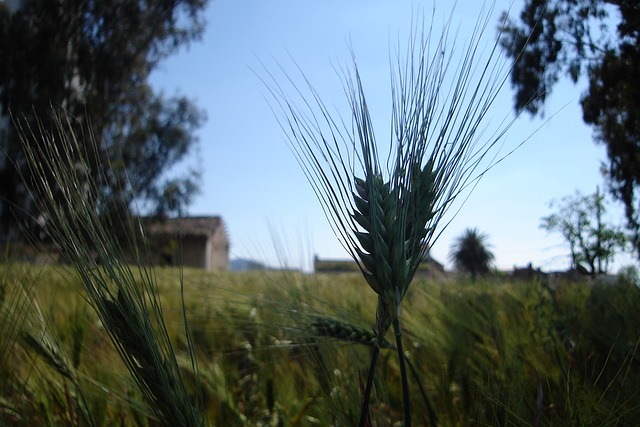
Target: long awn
[{"x": 388, "y": 213}]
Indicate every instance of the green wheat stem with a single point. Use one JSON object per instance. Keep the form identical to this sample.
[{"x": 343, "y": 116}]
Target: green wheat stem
[
  {"x": 364, "y": 411},
  {"x": 433, "y": 418},
  {"x": 406, "y": 398}
]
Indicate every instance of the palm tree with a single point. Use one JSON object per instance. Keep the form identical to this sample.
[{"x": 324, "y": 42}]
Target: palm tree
[{"x": 470, "y": 253}]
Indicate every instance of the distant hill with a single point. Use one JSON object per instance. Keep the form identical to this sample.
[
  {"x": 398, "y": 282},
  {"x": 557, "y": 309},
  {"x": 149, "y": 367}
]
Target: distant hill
[
  {"x": 428, "y": 267},
  {"x": 243, "y": 264}
]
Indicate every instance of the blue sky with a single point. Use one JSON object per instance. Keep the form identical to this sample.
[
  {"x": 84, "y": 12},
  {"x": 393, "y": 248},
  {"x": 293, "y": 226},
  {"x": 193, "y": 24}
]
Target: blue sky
[{"x": 253, "y": 181}]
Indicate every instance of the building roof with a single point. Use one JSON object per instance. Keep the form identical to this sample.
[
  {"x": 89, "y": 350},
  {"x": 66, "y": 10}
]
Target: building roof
[{"x": 193, "y": 226}]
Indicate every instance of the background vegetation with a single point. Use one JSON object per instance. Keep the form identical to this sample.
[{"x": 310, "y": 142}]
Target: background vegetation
[
  {"x": 289, "y": 349},
  {"x": 94, "y": 59},
  {"x": 559, "y": 39}
]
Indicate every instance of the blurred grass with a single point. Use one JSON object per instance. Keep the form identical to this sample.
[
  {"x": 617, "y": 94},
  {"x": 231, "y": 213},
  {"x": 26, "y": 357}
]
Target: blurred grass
[{"x": 493, "y": 352}]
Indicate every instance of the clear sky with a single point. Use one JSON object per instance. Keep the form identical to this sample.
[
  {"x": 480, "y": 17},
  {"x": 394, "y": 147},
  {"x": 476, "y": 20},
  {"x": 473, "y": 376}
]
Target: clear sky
[{"x": 253, "y": 181}]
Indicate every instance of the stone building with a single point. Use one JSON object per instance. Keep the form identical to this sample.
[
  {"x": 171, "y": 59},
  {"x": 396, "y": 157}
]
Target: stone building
[{"x": 199, "y": 242}]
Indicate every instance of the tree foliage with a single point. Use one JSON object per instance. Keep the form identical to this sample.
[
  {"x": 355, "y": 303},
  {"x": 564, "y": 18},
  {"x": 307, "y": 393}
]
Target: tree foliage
[
  {"x": 593, "y": 242},
  {"x": 599, "y": 39},
  {"x": 612, "y": 107},
  {"x": 93, "y": 58},
  {"x": 470, "y": 253}
]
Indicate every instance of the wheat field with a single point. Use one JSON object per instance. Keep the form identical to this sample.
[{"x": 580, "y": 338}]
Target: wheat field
[{"x": 282, "y": 348}]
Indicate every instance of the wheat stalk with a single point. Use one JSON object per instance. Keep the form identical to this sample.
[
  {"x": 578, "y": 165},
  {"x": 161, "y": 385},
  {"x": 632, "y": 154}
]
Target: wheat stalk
[
  {"x": 333, "y": 328},
  {"x": 66, "y": 193},
  {"x": 387, "y": 216}
]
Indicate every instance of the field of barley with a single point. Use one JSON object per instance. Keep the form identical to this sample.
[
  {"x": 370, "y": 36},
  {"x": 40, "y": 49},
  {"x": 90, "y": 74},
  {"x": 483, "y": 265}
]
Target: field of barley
[{"x": 281, "y": 348}]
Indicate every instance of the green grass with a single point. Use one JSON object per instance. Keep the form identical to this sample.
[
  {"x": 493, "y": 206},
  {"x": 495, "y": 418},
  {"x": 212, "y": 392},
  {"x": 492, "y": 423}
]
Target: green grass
[{"x": 493, "y": 352}]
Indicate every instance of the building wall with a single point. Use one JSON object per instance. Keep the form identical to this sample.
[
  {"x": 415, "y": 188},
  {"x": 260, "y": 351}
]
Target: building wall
[
  {"x": 193, "y": 252},
  {"x": 197, "y": 242},
  {"x": 207, "y": 253},
  {"x": 217, "y": 251}
]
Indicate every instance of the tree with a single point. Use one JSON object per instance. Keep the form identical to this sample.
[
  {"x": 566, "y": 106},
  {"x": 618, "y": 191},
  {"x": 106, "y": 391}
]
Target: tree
[
  {"x": 470, "y": 253},
  {"x": 592, "y": 242},
  {"x": 92, "y": 58},
  {"x": 556, "y": 38}
]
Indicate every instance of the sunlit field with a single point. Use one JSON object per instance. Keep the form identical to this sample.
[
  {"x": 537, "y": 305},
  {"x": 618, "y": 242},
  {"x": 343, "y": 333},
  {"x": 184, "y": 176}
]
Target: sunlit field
[{"x": 282, "y": 348}]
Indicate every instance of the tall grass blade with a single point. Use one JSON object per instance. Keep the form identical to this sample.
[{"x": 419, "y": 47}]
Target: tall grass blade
[{"x": 64, "y": 169}]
